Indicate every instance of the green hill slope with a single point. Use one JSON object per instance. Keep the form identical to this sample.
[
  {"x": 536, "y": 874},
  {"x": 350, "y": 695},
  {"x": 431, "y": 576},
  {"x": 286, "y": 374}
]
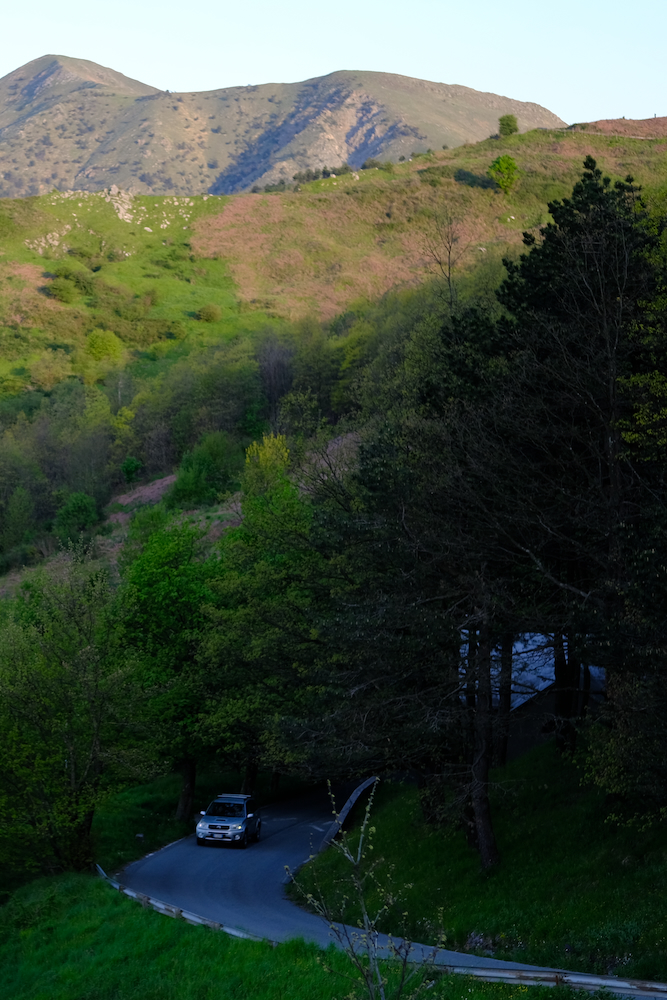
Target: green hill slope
[
  {"x": 70, "y": 124},
  {"x": 132, "y": 326}
]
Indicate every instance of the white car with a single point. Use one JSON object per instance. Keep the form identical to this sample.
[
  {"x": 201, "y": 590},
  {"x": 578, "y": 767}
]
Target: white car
[{"x": 229, "y": 818}]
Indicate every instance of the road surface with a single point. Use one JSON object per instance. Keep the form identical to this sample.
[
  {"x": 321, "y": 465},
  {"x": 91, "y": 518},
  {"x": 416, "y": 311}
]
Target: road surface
[{"x": 245, "y": 890}]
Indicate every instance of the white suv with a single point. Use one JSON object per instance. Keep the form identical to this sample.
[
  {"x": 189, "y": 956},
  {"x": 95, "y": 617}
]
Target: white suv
[{"x": 234, "y": 818}]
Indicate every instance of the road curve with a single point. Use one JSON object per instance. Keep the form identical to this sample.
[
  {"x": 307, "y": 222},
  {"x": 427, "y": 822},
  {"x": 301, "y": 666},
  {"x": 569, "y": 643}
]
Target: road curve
[{"x": 245, "y": 890}]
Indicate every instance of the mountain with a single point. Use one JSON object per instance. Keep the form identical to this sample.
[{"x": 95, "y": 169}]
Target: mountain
[{"x": 74, "y": 125}]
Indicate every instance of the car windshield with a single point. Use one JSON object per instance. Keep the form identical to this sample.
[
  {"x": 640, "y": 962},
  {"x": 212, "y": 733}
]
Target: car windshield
[{"x": 230, "y": 810}]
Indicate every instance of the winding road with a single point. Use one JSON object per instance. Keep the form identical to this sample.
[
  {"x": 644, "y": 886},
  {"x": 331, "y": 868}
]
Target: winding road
[{"x": 245, "y": 890}]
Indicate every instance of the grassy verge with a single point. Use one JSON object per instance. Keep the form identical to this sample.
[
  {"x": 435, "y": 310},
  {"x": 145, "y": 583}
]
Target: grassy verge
[
  {"x": 74, "y": 938},
  {"x": 571, "y": 891}
]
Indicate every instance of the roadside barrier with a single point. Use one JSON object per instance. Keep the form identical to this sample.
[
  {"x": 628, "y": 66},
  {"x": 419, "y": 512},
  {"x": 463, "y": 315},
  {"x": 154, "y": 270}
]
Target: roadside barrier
[{"x": 343, "y": 814}]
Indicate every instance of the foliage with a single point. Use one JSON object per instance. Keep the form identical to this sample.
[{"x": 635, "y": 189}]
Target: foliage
[
  {"x": 206, "y": 472},
  {"x": 104, "y": 345},
  {"x": 503, "y": 171},
  {"x": 210, "y": 313},
  {"x": 507, "y": 125},
  {"x": 77, "y": 514},
  {"x": 261, "y": 637},
  {"x": 540, "y": 905},
  {"x": 131, "y": 467},
  {"x": 362, "y": 945},
  {"x": 66, "y": 703}
]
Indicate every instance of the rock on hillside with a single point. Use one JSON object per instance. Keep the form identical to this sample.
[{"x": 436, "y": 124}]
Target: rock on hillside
[{"x": 74, "y": 125}]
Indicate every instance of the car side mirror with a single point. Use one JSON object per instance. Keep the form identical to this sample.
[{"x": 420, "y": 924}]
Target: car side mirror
[
  {"x": 250, "y": 815},
  {"x": 202, "y": 813}
]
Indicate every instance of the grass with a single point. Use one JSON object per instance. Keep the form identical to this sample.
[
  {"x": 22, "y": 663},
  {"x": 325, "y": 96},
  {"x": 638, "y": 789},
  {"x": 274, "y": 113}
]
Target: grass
[
  {"x": 74, "y": 938},
  {"x": 133, "y": 273},
  {"x": 144, "y": 267},
  {"x": 354, "y": 237},
  {"x": 571, "y": 891}
]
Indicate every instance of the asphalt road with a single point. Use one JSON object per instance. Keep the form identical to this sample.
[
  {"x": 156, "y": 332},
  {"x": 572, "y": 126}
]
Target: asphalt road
[{"x": 245, "y": 889}]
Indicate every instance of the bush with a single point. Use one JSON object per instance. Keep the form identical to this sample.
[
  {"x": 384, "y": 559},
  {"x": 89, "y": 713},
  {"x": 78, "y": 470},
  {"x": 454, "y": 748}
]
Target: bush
[
  {"x": 507, "y": 125},
  {"x": 103, "y": 345},
  {"x": 131, "y": 468},
  {"x": 306, "y": 176},
  {"x": 503, "y": 171},
  {"x": 62, "y": 290},
  {"x": 78, "y": 514},
  {"x": 210, "y": 313},
  {"x": 206, "y": 471}
]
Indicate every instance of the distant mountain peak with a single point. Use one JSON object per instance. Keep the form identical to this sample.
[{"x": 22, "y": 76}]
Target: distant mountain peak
[
  {"x": 72, "y": 124},
  {"x": 28, "y": 82}
]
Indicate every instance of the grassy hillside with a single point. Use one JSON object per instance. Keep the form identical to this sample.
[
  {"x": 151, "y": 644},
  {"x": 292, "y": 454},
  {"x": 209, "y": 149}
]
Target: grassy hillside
[
  {"x": 73, "y": 938},
  {"x": 319, "y": 248},
  {"x": 132, "y": 326},
  {"x": 71, "y": 124},
  {"x": 571, "y": 891}
]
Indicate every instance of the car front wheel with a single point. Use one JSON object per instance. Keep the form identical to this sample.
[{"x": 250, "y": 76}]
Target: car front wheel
[
  {"x": 257, "y": 832},
  {"x": 243, "y": 842}
]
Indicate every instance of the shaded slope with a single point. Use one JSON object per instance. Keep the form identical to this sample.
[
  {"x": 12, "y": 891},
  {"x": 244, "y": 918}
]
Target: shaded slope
[{"x": 71, "y": 124}]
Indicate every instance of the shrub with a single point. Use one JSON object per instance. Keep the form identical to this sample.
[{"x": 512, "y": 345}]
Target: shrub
[
  {"x": 210, "y": 313},
  {"x": 503, "y": 171},
  {"x": 62, "y": 290},
  {"x": 131, "y": 468},
  {"x": 306, "y": 176},
  {"x": 507, "y": 125},
  {"x": 206, "y": 471},
  {"x": 103, "y": 345},
  {"x": 77, "y": 514}
]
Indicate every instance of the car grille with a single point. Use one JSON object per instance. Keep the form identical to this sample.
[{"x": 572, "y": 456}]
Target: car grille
[{"x": 213, "y": 826}]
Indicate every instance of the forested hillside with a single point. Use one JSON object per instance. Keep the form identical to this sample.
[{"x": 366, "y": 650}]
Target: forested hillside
[{"x": 373, "y": 500}]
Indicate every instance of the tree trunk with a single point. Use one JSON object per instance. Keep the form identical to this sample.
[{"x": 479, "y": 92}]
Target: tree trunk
[
  {"x": 188, "y": 769},
  {"x": 275, "y": 782},
  {"x": 486, "y": 840},
  {"x": 586, "y": 695},
  {"x": 566, "y": 673},
  {"x": 505, "y": 695},
  {"x": 472, "y": 669},
  {"x": 250, "y": 777}
]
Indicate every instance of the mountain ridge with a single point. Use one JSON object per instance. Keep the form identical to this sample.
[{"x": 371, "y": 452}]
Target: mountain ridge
[{"x": 103, "y": 128}]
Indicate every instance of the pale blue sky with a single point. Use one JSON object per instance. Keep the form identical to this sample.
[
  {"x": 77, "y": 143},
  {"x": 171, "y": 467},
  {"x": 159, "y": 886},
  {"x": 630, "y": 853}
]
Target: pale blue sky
[{"x": 582, "y": 60}]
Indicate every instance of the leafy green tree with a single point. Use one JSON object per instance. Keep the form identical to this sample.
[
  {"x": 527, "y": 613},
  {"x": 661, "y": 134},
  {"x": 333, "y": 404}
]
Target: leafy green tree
[
  {"x": 68, "y": 716},
  {"x": 507, "y": 125},
  {"x": 206, "y": 471},
  {"x": 504, "y": 172},
  {"x": 166, "y": 588},
  {"x": 131, "y": 468},
  {"x": 18, "y": 517},
  {"x": 262, "y": 644},
  {"x": 78, "y": 514}
]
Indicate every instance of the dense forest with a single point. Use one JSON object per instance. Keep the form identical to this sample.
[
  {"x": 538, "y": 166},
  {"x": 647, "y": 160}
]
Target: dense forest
[{"x": 414, "y": 486}]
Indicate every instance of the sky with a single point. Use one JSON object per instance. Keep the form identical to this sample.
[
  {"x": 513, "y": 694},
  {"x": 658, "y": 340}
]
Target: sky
[{"x": 582, "y": 60}]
